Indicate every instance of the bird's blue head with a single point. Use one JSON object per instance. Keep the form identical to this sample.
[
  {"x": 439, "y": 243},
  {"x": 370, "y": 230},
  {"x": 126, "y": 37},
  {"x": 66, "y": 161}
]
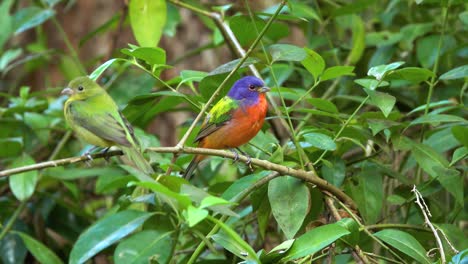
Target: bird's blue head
[{"x": 248, "y": 88}]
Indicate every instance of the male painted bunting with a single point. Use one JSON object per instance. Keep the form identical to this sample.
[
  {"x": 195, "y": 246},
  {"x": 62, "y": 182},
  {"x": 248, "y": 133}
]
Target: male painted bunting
[
  {"x": 96, "y": 119},
  {"x": 234, "y": 120}
]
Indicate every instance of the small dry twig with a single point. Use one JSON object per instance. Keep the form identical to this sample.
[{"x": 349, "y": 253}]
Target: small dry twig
[{"x": 426, "y": 213}]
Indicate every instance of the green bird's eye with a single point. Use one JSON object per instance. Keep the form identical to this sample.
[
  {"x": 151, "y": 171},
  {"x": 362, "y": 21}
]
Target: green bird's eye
[{"x": 80, "y": 88}]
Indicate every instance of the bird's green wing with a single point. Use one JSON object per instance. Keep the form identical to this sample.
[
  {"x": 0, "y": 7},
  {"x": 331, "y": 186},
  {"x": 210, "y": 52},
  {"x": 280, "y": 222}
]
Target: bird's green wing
[
  {"x": 219, "y": 115},
  {"x": 110, "y": 125}
]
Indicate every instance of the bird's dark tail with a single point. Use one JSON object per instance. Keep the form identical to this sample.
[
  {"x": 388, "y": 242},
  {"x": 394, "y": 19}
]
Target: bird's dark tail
[
  {"x": 192, "y": 166},
  {"x": 136, "y": 157}
]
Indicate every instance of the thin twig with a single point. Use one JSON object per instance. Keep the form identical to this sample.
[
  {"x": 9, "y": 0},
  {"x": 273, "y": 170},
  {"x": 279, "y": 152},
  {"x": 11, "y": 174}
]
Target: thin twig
[
  {"x": 426, "y": 213},
  {"x": 308, "y": 176}
]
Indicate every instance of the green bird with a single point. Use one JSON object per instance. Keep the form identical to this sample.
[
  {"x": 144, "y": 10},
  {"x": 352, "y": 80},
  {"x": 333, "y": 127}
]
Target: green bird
[{"x": 95, "y": 118}]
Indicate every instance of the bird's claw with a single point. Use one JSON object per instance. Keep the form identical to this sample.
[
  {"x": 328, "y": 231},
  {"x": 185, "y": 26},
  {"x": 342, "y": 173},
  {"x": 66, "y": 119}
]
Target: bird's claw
[
  {"x": 89, "y": 158},
  {"x": 249, "y": 163},
  {"x": 236, "y": 157},
  {"x": 106, "y": 157}
]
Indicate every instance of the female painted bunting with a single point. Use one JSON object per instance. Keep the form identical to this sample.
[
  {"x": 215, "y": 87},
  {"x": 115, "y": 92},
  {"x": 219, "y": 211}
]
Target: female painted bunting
[
  {"x": 96, "y": 119},
  {"x": 234, "y": 120}
]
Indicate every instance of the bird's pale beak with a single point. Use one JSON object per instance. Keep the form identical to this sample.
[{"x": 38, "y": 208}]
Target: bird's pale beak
[
  {"x": 263, "y": 89},
  {"x": 67, "y": 91}
]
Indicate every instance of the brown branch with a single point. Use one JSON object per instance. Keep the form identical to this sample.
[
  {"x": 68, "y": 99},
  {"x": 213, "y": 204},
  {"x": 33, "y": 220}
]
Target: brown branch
[{"x": 307, "y": 176}]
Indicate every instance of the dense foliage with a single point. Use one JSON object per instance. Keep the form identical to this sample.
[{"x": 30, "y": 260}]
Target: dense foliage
[{"x": 362, "y": 157}]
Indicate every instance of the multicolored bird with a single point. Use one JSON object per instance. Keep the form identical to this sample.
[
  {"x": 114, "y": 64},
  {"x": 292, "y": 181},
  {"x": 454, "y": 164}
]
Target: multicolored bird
[
  {"x": 234, "y": 120},
  {"x": 96, "y": 119}
]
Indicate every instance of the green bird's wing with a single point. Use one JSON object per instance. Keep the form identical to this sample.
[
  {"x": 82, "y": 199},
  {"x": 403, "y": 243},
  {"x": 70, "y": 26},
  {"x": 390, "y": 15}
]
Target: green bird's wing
[
  {"x": 108, "y": 124},
  {"x": 220, "y": 114}
]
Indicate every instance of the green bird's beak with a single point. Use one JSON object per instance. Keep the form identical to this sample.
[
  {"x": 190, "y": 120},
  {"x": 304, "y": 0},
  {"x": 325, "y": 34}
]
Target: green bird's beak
[
  {"x": 67, "y": 91},
  {"x": 263, "y": 89}
]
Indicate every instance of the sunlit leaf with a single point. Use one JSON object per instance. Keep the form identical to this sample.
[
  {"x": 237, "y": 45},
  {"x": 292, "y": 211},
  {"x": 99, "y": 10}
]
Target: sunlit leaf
[{"x": 147, "y": 18}]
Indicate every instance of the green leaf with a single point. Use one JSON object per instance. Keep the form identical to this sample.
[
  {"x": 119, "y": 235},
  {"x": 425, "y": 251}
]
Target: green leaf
[
  {"x": 23, "y": 184},
  {"x": 277, "y": 252},
  {"x": 315, "y": 240},
  {"x": 152, "y": 55},
  {"x": 30, "y": 17},
  {"x": 411, "y": 74},
  {"x": 228, "y": 67},
  {"x": 382, "y": 38},
  {"x": 353, "y": 227},
  {"x": 99, "y": 70},
  {"x": 182, "y": 200},
  {"x": 427, "y": 48},
  {"x": 106, "y": 232},
  {"x": 290, "y": 201},
  {"x": 314, "y": 63},
  {"x": 286, "y": 52},
  {"x": 334, "y": 174},
  {"x": 426, "y": 157},
  {"x": 11, "y": 147},
  {"x": 460, "y": 133},
  {"x": 383, "y": 101},
  {"x": 412, "y": 31},
  {"x": 377, "y": 125},
  {"x": 241, "y": 184},
  {"x": 358, "y": 43},
  {"x": 320, "y": 141},
  {"x": 323, "y": 104},
  {"x": 456, "y": 73},
  {"x": 195, "y": 215},
  {"x": 192, "y": 76},
  {"x": 147, "y": 19},
  {"x": 431, "y": 105},
  {"x": 40, "y": 252},
  {"x": 303, "y": 10},
  {"x": 368, "y": 192},
  {"x": 212, "y": 201},
  {"x": 144, "y": 247},
  {"x": 247, "y": 30},
  {"x": 261, "y": 206},
  {"x": 405, "y": 243},
  {"x": 459, "y": 154},
  {"x": 436, "y": 119},
  {"x": 337, "y": 71},
  {"x": 40, "y": 124},
  {"x": 6, "y": 21},
  {"x": 371, "y": 84},
  {"x": 231, "y": 241},
  {"x": 8, "y": 56},
  {"x": 452, "y": 181},
  {"x": 379, "y": 72}
]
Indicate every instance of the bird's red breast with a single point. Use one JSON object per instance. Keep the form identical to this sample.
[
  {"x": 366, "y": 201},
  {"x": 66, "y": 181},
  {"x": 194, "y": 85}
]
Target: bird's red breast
[{"x": 245, "y": 123}]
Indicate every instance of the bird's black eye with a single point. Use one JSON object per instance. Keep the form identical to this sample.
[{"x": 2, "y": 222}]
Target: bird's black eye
[
  {"x": 251, "y": 87},
  {"x": 80, "y": 88}
]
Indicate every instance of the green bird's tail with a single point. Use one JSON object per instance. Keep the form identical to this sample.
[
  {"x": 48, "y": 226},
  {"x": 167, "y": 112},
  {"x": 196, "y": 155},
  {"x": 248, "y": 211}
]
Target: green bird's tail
[{"x": 137, "y": 160}]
